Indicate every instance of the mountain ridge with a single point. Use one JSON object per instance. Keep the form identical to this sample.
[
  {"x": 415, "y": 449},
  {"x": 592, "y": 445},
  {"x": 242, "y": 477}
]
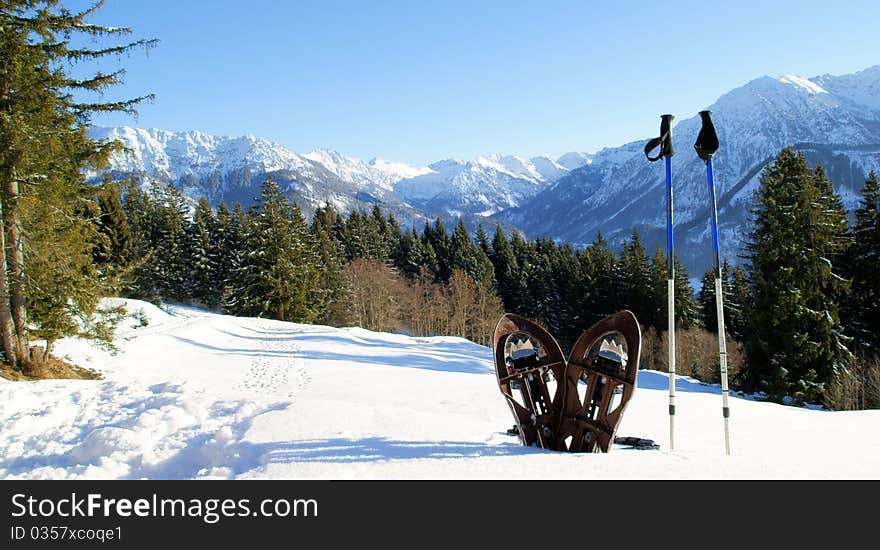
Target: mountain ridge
[
  {"x": 832, "y": 119},
  {"x": 620, "y": 190}
]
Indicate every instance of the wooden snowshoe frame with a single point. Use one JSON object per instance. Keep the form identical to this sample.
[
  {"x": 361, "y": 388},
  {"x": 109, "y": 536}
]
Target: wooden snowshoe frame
[
  {"x": 566, "y": 420},
  {"x": 538, "y": 415}
]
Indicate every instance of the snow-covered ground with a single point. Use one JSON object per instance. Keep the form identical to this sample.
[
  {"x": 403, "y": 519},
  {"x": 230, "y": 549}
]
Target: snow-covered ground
[{"x": 199, "y": 395}]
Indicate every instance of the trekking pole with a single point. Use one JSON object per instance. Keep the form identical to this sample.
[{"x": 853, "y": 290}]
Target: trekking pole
[
  {"x": 666, "y": 151},
  {"x": 706, "y": 146}
]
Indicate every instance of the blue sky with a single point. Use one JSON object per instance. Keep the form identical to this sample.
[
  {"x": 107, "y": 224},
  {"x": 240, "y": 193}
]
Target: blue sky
[{"x": 421, "y": 81}]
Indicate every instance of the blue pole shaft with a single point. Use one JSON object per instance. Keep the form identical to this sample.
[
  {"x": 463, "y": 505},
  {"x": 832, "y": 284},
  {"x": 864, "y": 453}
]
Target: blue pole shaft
[
  {"x": 670, "y": 289},
  {"x": 719, "y": 307},
  {"x": 714, "y": 215}
]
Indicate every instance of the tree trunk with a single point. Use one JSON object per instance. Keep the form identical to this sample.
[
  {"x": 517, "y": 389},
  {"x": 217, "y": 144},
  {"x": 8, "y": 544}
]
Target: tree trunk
[
  {"x": 13, "y": 257},
  {"x": 6, "y": 333},
  {"x": 15, "y": 264}
]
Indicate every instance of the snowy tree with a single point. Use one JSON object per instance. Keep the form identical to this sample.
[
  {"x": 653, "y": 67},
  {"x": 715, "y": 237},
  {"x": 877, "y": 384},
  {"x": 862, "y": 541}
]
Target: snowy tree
[
  {"x": 202, "y": 257},
  {"x": 279, "y": 275},
  {"x": 168, "y": 241}
]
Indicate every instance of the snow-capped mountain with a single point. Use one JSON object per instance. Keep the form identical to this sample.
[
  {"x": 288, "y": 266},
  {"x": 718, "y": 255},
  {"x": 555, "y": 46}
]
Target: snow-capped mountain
[
  {"x": 483, "y": 187},
  {"x": 232, "y": 169},
  {"x": 375, "y": 173},
  {"x": 574, "y": 160},
  {"x": 835, "y": 120}
]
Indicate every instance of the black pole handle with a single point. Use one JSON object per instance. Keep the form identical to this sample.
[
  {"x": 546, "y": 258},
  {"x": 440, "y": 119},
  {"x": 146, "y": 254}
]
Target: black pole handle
[
  {"x": 664, "y": 141},
  {"x": 707, "y": 141}
]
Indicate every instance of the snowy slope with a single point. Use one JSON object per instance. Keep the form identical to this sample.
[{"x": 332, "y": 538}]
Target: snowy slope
[{"x": 200, "y": 395}]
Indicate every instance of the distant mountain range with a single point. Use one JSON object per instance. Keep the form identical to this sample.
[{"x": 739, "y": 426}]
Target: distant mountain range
[
  {"x": 231, "y": 169},
  {"x": 832, "y": 119}
]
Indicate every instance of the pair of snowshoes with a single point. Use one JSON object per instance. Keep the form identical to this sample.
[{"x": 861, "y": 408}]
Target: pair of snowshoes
[{"x": 569, "y": 404}]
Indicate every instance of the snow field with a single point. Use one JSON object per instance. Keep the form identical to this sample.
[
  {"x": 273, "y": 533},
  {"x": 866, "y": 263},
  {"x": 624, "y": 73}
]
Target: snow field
[{"x": 198, "y": 395}]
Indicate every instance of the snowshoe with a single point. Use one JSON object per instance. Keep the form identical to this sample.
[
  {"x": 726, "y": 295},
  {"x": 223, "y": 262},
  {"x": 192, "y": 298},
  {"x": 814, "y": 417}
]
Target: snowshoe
[
  {"x": 572, "y": 405},
  {"x": 600, "y": 380},
  {"x": 528, "y": 365}
]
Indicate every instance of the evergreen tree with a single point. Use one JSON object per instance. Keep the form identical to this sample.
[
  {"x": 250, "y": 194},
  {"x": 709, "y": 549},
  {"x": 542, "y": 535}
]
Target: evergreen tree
[
  {"x": 737, "y": 305},
  {"x": 223, "y": 243},
  {"x": 49, "y": 282},
  {"x": 232, "y": 228},
  {"x": 114, "y": 249},
  {"x": 863, "y": 311},
  {"x": 658, "y": 316},
  {"x": 797, "y": 344},
  {"x": 570, "y": 301},
  {"x": 409, "y": 254},
  {"x": 635, "y": 280},
  {"x": 482, "y": 239},
  {"x": 686, "y": 309},
  {"x": 708, "y": 313},
  {"x": 505, "y": 265},
  {"x": 463, "y": 254},
  {"x": 599, "y": 268},
  {"x": 202, "y": 257},
  {"x": 330, "y": 253},
  {"x": 441, "y": 244},
  {"x": 686, "y": 313},
  {"x": 139, "y": 212},
  {"x": 279, "y": 275},
  {"x": 168, "y": 241}
]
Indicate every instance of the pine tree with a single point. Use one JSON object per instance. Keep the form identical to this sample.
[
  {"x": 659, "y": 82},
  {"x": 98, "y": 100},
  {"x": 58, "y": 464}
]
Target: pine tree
[
  {"x": 482, "y": 239},
  {"x": 708, "y": 313},
  {"x": 463, "y": 254},
  {"x": 279, "y": 275},
  {"x": 737, "y": 305},
  {"x": 232, "y": 252},
  {"x": 224, "y": 246},
  {"x": 410, "y": 255},
  {"x": 863, "y": 311},
  {"x": 139, "y": 210},
  {"x": 201, "y": 257},
  {"x": 599, "y": 266},
  {"x": 114, "y": 249},
  {"x": 168, "y": 240},
  {"x": 686, "y": 309},
  {"x": 797, "y": 344},
  {"x": 44, "y": 151},
  {"x": 505, "y": 265},
  {"x": 658, "y": 316},
  {"x": 635, "y": 280},
  {"x": 441, "y": 244},
  {"x": 330, "y": 253}
]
